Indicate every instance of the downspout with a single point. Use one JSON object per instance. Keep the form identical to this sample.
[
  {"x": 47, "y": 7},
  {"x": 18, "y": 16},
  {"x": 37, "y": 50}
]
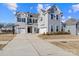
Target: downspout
[{"x": 76, "y": 29}]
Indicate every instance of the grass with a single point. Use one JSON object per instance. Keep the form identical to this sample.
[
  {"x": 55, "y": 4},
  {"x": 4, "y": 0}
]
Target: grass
[
  {"x": 2, "y": 46},
  {"x": 56, "y": 33},
  {"x": 67, "y": 42},
  {"x": 6, "y": 37},
  {"x": 69, "y": 46},
  {"x": 58, "y": 37}
]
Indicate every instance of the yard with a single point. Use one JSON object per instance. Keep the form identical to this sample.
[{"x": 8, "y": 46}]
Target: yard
[
  {"x": 5, "y": 38},
  {"x": 69, "y": 43},
  {"x": 72, "y": 46},
  {"x": 57, "y": 37}
]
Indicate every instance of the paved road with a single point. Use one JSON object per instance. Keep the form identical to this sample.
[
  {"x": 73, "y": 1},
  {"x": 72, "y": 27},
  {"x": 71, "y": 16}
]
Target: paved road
[{"x": 30, "y": 45}]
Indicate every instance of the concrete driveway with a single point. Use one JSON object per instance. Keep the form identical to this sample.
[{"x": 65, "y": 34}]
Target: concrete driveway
[{"x": 30, "y": 45}]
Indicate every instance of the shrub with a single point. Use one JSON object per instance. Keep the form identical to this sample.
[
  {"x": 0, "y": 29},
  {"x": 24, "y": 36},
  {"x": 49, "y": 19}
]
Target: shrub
[
  {"x": 44, "y": 33},
  {"x": 56, "y": 33},
  {"x": 47, "y": 33}
]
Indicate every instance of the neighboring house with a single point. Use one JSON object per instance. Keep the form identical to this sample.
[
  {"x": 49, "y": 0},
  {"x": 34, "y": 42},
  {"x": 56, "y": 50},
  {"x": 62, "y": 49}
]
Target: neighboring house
[
  {"x": 5, "y": 28},
  {"x": 72, "y": 26},
  {"x": 1, "y": 25},
  {"x": 26, "y": 22},
  {"x": 50, "y": 20}
]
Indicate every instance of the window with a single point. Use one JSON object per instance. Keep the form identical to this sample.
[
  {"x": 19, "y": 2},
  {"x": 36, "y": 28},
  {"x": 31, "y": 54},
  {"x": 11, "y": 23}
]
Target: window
[
  {"x": 34, "y": 29},
  {"x": 23, "y": 19},
  {"x": 34, "y": 20},
  {"x": 56, "y": 28},
  {"x": 51, "y": 28},
  {"x": 57, "y": 17},
  {"x": 41, "y": 19},
  {"x": 29, "y": 21},
  {"x": 62, "y": 28},
  {"x": 52, "y": 16},
  {"x": 18, "y": 19},
  {"x": 30, "y": 15}
]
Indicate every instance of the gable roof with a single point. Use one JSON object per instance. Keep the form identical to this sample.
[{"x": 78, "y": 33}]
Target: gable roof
[
  {"x": 35, "y": 15},
  {"x": 26, "y": 13},
  {"x": 71, "y": 21},
  {"x": 54, "y": 9}
]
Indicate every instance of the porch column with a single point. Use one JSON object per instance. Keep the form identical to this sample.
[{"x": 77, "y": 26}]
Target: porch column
[
  {"x": 26, "y": 29},
  {"x": 33, "y": 30}
]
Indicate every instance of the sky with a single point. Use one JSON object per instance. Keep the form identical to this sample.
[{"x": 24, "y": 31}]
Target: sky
[{"x": 8, "y": 10}]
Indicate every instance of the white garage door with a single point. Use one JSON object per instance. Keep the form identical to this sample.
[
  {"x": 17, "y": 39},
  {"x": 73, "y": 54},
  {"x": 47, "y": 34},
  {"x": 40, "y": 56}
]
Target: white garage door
[{"x": 22, "y": 30}]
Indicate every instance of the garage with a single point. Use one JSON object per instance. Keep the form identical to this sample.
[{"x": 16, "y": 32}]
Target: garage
[{"x": 21, "y": 30}]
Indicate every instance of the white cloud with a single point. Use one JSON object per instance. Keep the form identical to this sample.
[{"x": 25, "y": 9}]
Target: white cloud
[
  {"x": 75, "y": 7},
  {"x": 47, "y": 7},
  {"x": 43, "y": 6},
  {"x": 70, "y": 11},
  {"x": 39, "y": 7},
  {"x": 31, "y": 8},
  {"x": 69, "y": 17},
  {"x": 63, "y": 17},
  {"x": 14, "y": 12},
  {"x": 63, "y": 21},
  {"x": 12, "y": 7}
]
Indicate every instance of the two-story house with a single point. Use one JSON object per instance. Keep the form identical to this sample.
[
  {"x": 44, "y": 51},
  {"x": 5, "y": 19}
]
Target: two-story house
[
  {"x": 26, "y": 22},
  {"x": 50, "y": 20}
]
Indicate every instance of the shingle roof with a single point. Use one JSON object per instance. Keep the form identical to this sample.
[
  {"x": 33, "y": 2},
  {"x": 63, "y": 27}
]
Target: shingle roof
[
  {"x": 25, "y": 13},
  {"x": 35, "y": 15},
  {"x": 71, "y": 21},
  {"x": 53, "y": 9}
]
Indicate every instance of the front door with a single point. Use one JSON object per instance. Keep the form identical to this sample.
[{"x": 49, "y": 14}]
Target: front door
[{"x": 29, "y": 29}]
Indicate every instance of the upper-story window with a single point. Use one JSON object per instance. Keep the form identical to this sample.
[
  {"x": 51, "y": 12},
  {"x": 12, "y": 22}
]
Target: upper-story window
[
  {"x": 52, "y": 16},
  {"x": 41, "y": 19},
  {"x": 29, "y": 21},
  {"x": 23, "y": 19},
  {"x": 34, "y": 20},
  {"x": 30, "y": 15},
  {"x": 18, "y": 19},
  {"x": 57, "y": 17}
]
